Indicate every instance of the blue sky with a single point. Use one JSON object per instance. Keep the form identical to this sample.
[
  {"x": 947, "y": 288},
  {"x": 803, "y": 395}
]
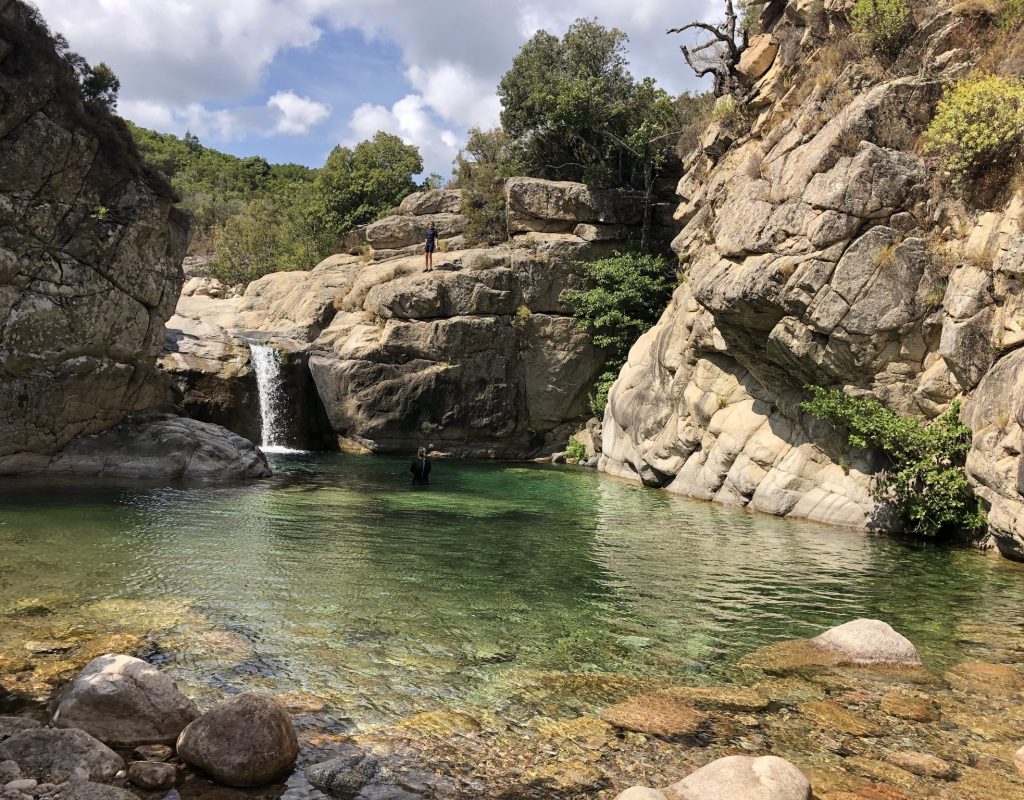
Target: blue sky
[{"x": 290, "y": 79}]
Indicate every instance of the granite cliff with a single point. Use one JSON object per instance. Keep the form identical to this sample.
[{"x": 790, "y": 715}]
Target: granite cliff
[
  {"x": 90, "y": 268},
  {"x": 478, "y": 358},
  {"x": 819, "y": 247}
]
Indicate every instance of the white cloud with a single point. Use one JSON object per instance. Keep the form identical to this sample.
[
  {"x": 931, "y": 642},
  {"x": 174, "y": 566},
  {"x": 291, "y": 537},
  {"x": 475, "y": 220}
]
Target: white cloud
[
  {"x": 186, "y": 61},
  {"x": 409, "y": 120},
  {"x": 298, "y": 114}
]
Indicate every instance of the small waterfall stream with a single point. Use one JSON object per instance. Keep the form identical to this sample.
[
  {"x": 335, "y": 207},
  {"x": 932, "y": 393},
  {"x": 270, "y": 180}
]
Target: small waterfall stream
[{"x": 267, "y": 367}]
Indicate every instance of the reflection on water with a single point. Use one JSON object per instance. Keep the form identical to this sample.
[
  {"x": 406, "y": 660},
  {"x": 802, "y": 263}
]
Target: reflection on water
[{"x": 338, "y": 579}]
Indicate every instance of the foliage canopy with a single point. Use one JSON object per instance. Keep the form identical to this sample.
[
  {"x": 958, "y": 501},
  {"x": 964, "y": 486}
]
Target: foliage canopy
[
  {"x": 627, "y": 295},
  {"x": 883, "y": 23},
  {"x": 569, "y": 106}
]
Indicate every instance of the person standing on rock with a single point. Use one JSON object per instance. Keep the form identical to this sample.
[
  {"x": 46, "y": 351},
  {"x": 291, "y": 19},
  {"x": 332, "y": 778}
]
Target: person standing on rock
[
  {"x": 428, "y": 249},
  {"x": 420, "y": 468}
]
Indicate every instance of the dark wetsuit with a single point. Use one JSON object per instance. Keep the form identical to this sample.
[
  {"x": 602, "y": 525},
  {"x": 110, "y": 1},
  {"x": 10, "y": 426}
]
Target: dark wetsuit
[
  {"x": 431, "y": 245},
  {"x": 420, "y": 470}
]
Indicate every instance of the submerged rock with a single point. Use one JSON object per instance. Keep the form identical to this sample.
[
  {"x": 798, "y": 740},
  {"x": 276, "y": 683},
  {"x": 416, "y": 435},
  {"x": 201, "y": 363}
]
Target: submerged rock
[
  {"x": 57, "y": 755},
  {"x": 656, "y": 714},
  {"x": 248, "y": 741},
  {"x": 124, "y": 702}
]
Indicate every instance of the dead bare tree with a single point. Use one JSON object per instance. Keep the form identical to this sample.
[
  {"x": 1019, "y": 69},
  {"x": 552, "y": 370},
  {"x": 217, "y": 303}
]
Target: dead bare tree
[{"x": 719, "y": 55}]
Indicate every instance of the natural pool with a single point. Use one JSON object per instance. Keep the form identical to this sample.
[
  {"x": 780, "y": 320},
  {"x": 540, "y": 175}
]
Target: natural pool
[{"x": 337, "y": 579}]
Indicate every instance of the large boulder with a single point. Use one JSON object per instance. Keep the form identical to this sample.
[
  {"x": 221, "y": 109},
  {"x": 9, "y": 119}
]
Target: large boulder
[
  {"x": 434, "y": 201},
  {"x": 744, "y": 778},
  {"x": 124, "y": 702},
  {"x": 163, "y": 446},
  {"x": 868, "y": 641},
  {"x": 247, "y": 741},
  {"x": 559, "y": 206},
  {"x": 53, "y": 755},
  {"x": 397, "y": 232}
]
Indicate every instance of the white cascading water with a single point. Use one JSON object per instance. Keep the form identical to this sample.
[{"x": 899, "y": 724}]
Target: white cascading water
[{"x": 267, "y": 367}]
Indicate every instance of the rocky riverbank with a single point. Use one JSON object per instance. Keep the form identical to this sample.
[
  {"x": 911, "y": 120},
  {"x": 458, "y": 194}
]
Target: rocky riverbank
[{"x": 849, "y": 715}]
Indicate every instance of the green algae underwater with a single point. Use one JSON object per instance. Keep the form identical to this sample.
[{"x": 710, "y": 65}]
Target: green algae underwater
[{"x": 338, "y": 581}]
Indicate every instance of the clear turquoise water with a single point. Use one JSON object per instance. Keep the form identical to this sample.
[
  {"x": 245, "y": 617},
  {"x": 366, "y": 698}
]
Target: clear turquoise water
[{"x": 339, "y": 579}]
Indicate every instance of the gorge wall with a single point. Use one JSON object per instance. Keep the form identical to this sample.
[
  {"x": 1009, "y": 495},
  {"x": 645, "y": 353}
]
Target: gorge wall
[
  {"x": 819, "y": 248},
  {"x": 478, "y": 358},
  {"x": 90, "y": 268}
]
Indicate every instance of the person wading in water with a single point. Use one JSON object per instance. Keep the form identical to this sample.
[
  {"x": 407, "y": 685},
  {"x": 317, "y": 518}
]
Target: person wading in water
[
  {"x": 420, "y": 468},
  {"x": 429, "y": 247}
]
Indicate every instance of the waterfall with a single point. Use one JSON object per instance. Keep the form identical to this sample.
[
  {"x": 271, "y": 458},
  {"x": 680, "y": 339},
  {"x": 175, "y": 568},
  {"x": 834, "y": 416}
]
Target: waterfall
[{"x": 267, "y": 367}]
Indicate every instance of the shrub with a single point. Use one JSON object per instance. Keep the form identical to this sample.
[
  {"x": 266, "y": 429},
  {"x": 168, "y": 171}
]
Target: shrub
[
  {"x": 574, "y": 450},
  {"x": 883, "y": 23},
  {"x": 977, "y": 126},
  {"x": 1013, "y": 13},
  {"x": 627, "y": 295},
  {"x": 925, "y": 481}
]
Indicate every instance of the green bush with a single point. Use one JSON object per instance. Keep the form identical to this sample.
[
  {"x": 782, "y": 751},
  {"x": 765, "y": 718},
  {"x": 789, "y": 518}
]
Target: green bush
[
  {"x": 977, "y": 125},
  {"x": 627, "y": 295},
  {"x": 574, "y": 450},
  {"x": 925, "y": 481},
  {"x": 1013, "y": 13},
  {"x": 883, "y": 23}
]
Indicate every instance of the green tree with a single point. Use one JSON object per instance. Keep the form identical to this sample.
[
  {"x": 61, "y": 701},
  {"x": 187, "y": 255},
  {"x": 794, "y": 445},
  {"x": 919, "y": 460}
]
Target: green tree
[
  {"x": 627, "y": 295},
  {"x": 924, "y": 480},
  {"x": 359, "y": 185},
  {"x": 481, "y": 168},
  {"x": 569, "y": 104},
  {"x": 100, "y": 85}
]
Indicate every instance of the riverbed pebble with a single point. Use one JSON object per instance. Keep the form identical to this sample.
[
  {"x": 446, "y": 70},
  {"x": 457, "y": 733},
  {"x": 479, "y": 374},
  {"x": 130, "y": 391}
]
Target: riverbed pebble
[
  {"x": 152, "y": 776},
  {"x": 9, "y": 771},
  {"x": 152, "y": 752}
]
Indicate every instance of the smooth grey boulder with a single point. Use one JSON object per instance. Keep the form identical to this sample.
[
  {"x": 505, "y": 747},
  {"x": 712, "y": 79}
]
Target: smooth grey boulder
[
  {"x": 152, "y": 776},
  {"x": 12, "y": 725},
  {"x": 55, "y": 755},
  {"x": 124, "y": 702},
  {"x": 745, "y": 778},
  {"x": 641, "y": 793},
  {"x": 164, "y": 446},
  {"x": 869, "y": 641},
  {"x": 248, "y": 741}
]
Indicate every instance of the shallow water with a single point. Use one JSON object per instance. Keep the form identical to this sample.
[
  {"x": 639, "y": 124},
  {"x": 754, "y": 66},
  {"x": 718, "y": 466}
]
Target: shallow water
[{"x": 338, "y": 579}]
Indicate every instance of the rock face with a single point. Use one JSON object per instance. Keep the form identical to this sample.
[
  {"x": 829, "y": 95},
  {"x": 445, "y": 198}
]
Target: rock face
[
  {"x": 124, "y": 702},
  {"x": 248, "y": 741},
  {"x": 814, "y": 253},
  {"x": 90, "y": 258},
  {"x": 478, "y": 358},
  {"x": 53, "y": 756},
  {"x": 868, "y": 641}
]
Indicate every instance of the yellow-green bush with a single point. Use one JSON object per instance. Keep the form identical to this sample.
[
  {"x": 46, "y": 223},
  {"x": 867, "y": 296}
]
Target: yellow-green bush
[
  {"x": 978, "y": 125},
  {"x": 1013, "y": 13},
  {"x": 883, "y": 23}
]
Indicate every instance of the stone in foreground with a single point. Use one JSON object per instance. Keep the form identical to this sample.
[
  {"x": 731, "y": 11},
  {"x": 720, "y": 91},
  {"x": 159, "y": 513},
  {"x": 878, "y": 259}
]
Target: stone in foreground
[
  {"x": 744, "y": 778},
  {"x": 153, "y": 776},
  {"x": 124, "y": 702},
  {"x": 12, "y": 725},
  {"x": 641, "y": 793},
  {"x": 85, "y": 790},
  {"x": 868, "y": 641},
  {"x": 248, "y": 741},
  {"x": 56, "y": 755}
]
